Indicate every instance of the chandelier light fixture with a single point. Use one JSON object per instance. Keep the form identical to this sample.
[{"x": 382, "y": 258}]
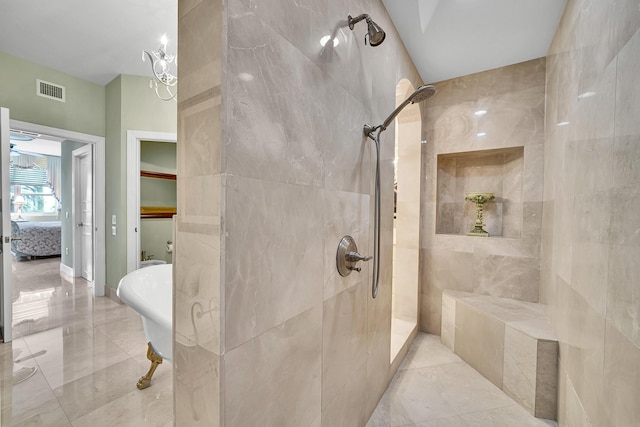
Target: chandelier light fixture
[{"x": 164, "y": 82}]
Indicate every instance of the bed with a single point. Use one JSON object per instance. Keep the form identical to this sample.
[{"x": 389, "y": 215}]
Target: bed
[{"x": 35, "y": 239}]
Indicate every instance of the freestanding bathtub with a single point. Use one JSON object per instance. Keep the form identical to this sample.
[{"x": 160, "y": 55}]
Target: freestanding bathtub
[{"x": 148, "y": 291}]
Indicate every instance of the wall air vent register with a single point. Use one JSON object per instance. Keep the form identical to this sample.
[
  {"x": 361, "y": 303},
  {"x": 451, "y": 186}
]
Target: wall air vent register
[{"x": 50, "y": 90}]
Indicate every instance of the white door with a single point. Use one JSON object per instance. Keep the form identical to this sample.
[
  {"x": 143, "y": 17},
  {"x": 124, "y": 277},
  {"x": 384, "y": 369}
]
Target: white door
[
  {"x": 83, "y": 184},
  {"x": 6, "y": 298}
]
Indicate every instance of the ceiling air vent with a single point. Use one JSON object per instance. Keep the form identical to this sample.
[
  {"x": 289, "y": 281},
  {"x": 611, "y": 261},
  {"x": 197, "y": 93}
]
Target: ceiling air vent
[{"x": 50, "y": 90}]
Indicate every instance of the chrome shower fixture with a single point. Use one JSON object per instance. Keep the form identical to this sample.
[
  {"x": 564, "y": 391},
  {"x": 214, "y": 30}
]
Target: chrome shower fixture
[
  {"x": 421, "y": 94},
  {"x": 375, "y": 33}
]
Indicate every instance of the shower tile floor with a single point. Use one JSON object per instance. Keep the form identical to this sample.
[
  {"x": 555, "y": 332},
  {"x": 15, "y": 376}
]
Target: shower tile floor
[
  {"x": 435, "y": 388},
  {"x": 75, "y": 361}
]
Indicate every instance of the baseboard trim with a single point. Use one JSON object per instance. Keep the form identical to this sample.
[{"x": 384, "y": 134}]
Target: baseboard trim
[
  {"x": 110, "y": 293},
  {"x": 66, "y": 270}
]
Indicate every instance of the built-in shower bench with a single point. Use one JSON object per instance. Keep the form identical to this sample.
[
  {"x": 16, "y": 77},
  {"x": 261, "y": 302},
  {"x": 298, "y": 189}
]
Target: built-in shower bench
[{"x": 509, "y": 342}]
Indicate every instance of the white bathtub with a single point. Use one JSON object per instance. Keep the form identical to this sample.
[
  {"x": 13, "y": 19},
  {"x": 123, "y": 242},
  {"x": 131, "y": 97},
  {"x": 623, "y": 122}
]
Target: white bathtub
[{"x": 148, "y": 291}]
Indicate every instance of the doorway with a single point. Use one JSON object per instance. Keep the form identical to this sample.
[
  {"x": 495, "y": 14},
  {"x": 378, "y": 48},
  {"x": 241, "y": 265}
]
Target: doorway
[
  {"x": 406, "y": 230},
  {"x": 47, "y": 266},
  {"x": 134, "y": 142},
  {"x": 82, "y": 212}
]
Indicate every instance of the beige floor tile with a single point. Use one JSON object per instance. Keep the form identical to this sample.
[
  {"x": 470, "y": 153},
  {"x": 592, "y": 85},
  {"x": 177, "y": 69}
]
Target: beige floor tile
[
  {"x": 91, "y": 351},
  {"x": 64, "y": 363},
  {"x": 435, "y": 388},
  {"x": 150, "y": 407},
  {"x": 128, "y": 335},
  {"x": 427, "y": 350},
  {"x": 508, "y": 416},
  {"x": 32, "y": 403}
]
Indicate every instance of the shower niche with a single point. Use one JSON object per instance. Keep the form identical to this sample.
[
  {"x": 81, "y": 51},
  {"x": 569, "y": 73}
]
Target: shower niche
[{"x": 498, "y": 171}]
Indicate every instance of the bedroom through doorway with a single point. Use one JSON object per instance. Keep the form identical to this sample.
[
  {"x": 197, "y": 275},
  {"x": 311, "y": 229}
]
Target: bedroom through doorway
[{"x": 43, "y": 232}]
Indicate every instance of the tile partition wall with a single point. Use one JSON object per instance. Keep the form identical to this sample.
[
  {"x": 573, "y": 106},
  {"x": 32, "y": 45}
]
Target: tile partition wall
[
  {"x": 407, "y": 222},
  {"x": 198, "y": 295},
  {"x": 591, "y": 245},
  {"x": 513, "y": 98},
  {"x": 273, "y": 170}
]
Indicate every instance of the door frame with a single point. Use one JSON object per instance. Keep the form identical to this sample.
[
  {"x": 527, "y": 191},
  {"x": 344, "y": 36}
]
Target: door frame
[
  {"x": 134, "y": 137},
  {"x": 6, "y": 289},
  {"x": 76, "y": 214},
  {"x": 99, "y": 239}
]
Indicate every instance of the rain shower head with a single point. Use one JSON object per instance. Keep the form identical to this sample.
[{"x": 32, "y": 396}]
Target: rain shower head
[{"x": 375, "y": 33}]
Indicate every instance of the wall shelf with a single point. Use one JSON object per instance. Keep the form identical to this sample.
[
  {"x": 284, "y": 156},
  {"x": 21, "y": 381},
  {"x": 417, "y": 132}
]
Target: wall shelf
[
  {"x": 498, "y": 171},
  {"x": 157, "y": 211},
  {"x": 159, "y": 175},
  {"x": 147, "y": 212}
]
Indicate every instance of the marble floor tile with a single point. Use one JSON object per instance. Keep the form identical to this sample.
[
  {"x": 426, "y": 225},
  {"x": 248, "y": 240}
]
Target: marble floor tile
[
  {"x": 75, "y": 358},
  {"x": 428, "y": 351},
  {"x": 128, "y": 335},
  {"x": 43, "y": 299},
  {"x": 32, "y": 403},
  {"x": 149, "y": 407},
  {"x": 508, "y": 416},
  {"x": 435, "y": 388},
  {"x": 410, "y": 398},
  {"x": 91, "y": 392}
]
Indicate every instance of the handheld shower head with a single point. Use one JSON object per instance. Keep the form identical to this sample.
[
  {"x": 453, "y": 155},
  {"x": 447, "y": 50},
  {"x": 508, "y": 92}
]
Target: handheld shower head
[
  {"x": 374, "y": 31},
  {"x": 421, "y": 94}
]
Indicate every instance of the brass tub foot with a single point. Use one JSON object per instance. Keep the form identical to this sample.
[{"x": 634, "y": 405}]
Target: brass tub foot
[{"x": 145, "y": 381}]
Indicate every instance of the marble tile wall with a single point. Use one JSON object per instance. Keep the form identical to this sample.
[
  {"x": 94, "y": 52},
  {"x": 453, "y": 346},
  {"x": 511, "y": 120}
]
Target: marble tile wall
[
  {"x": 590, "y": 273},
  {"x": 407, "y": 222},
  {"x": 507, "y": 266},
  {"x": 273, "y": 170},
  {"x": 198, "y": 294}
]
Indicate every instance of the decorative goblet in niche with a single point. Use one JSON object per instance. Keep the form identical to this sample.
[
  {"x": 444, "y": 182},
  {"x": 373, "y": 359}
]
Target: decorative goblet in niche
[{"x": 479, "y": 199}]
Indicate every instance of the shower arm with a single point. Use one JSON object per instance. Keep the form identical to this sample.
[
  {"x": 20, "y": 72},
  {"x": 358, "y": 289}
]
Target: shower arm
[
  {"x": 369, "y": 130},
  {"x": 353, "y": 21}
]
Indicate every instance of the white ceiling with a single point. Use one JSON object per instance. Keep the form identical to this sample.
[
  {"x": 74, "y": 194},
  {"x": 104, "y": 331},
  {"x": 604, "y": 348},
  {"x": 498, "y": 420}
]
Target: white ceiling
[
  {"x": 98, "y": 40},
  {"x": 93, "y": 40},
  {"x": 38, "y": 145},
  {"x": 452, "y": 38}
]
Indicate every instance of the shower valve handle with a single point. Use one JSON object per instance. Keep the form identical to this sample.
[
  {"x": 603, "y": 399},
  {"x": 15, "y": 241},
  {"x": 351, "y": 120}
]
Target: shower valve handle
[
  {"x": 347, "y": 256},
  {"x": 355, "y": 257}
]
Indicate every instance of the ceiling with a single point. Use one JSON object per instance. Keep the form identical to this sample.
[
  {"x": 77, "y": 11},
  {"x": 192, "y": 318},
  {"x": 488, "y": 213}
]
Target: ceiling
[
  {"x": 98, "y": 40},
  {"x": 38, "y": 145},
  {"x": 452, "y": 38},
  {"x": 93, "y": 40}
]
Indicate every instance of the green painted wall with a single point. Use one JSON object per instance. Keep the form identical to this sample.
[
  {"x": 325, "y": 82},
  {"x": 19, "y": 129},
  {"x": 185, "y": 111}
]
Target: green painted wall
[
  {"x": 126, "y": 103},
  {"x": 83, "y": 111},
  {"x": 131, "y": 105},
  {"x": 115, "y": 179},
  {"x": 158, "y": 156},
  {"x": 67, "y": 202}
]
